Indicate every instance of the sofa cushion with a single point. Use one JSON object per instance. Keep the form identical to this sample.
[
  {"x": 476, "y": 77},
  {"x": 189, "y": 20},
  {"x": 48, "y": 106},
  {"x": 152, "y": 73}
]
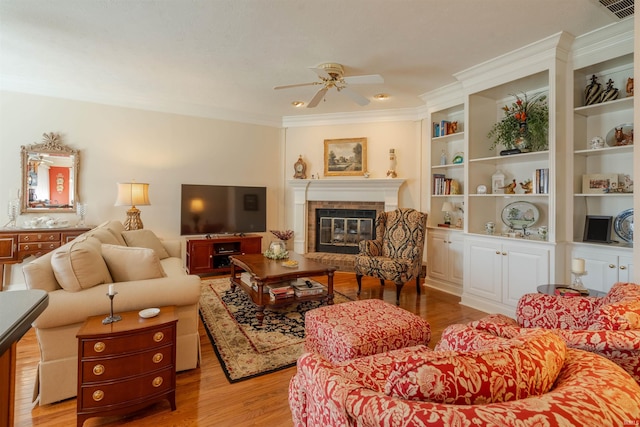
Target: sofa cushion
[
  {"x": 114, "y": 227},
  {"x": 129, "y": 263},
  {"x": 79, "y": 264},
  {"x": 104, "y": 235},
  {"x": 145, "y": 239},
  {"x": 619, "y": 309},
  {"x": 504, "y": 370}
]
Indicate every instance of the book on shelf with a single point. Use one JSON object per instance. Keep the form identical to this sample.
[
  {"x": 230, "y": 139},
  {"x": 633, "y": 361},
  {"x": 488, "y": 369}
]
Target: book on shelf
[
  {"x": 540, "y": 181},
  {"x": 441, "y": 184},
  {"x": 304, "y": 287},
  {"x": 281, "y": 292}
]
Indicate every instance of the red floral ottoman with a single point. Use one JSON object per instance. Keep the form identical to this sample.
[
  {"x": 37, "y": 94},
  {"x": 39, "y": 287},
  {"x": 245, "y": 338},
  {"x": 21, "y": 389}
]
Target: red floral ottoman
[{"x": 361, "y": 328}]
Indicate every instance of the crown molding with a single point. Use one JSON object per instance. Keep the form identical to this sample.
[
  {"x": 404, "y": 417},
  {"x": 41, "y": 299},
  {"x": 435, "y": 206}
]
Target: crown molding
[{"x": 401, "y": 114}]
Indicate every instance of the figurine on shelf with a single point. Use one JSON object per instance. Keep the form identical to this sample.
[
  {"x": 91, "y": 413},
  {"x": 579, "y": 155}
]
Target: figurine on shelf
[
  {"x": 391, "y": 173},
  {"x": 610, "y": 93},
  {"x": 527, "y": 186},
  {"x": 630, "y": 86},
  {"x": 623, "y": 138},
  {"x": 510, "y": 188},
  {"x": 592, "y": 92},
  {"x": 454, "y": 126}
]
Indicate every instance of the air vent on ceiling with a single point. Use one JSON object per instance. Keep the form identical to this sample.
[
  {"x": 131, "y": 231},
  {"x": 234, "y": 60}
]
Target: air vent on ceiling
[{"x": 620, "y": 8}]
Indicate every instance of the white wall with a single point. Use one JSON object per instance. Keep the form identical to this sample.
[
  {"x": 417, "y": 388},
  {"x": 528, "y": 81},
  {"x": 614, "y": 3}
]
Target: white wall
[
  {"x": 120, "y": 144},
  {"x": 404, "y": 136}
]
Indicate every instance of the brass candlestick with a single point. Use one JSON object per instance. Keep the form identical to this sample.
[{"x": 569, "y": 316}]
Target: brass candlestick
[{"x": 111, "y": 317}]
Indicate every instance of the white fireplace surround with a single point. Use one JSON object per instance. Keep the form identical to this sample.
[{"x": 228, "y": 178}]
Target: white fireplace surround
[{"x": 338, "y": 190}]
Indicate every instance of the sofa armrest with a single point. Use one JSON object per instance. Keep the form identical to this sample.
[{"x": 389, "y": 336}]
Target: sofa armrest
[
  {"x": 551, "y": 311},
  {"x": 173, "y": 247},
  {"x": 67, "y": 308}
]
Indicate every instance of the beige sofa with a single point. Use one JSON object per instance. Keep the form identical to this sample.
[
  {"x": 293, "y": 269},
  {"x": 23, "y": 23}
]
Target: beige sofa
[{"x": 145, "y": 272}]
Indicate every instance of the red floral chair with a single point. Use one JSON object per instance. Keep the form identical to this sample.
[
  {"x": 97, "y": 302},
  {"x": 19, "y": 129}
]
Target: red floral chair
[
  {"x": 396, "y": 252},
  {"x": 608, "y": 326},
  {"x": 472, "y": 378}
]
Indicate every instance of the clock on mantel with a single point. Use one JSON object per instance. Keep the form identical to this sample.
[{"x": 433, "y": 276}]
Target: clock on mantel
[{"x": 300, "y": 168}]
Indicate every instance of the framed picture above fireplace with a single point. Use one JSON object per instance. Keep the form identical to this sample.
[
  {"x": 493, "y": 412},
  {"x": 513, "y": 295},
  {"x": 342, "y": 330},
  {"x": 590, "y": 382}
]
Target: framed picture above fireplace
[{"x": 345, "y": 157}]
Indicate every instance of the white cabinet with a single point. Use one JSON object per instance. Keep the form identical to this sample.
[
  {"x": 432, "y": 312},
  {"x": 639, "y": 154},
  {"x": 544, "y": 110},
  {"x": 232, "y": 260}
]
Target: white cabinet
[
  {"x": 499, "y": 271},
  {"x": 605, "y": 266},
  {"x": 445, "y": 260}
]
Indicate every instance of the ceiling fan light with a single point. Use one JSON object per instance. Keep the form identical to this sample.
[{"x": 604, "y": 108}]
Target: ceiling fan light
[
  {"x": 381, "y": 96},
  {"x": 297, "y": 104}
]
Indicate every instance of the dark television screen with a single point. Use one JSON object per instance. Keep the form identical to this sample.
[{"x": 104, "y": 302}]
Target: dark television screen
[{"x": 222, "y": 209}]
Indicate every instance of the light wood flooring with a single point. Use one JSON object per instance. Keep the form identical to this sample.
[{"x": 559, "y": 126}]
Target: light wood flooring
[{"x": 205, "y": 398}]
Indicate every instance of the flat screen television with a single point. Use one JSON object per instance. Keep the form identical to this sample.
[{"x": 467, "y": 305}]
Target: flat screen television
[{"x": 222, "y": 209}]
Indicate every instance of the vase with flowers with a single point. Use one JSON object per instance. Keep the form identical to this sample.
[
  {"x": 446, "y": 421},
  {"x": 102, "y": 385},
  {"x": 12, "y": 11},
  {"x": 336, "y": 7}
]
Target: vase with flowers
[
  {"x": 278, "y": 248},
  {"x": 525, "y": 125}
]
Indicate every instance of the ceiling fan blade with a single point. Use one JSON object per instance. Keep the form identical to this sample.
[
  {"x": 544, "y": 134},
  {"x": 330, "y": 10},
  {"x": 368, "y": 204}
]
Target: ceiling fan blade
[
  {"x": 366, "y": 80},
  {"x": 296, "y": 85},
  {"x": 321, "y": 72},
  {"x": 356, "y": 97},
  {"x": 317, "y": 97}
]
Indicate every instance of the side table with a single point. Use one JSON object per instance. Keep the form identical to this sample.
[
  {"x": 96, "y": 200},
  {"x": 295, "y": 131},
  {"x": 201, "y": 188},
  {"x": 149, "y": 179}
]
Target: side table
[
  {"x": 126, "y": 365},
  {"x": 551, "y": 290}
]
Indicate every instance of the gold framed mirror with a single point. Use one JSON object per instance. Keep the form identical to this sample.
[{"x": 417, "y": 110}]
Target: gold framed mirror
[{"x": 49, "y": 176}]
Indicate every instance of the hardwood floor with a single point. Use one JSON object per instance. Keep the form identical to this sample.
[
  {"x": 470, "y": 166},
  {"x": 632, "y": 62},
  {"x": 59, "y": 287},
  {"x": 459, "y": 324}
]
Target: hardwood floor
[{"x": 204, "y": 397}]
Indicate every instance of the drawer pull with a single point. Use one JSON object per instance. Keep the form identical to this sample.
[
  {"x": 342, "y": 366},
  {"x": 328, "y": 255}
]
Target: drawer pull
[
  {"x": 98, "y": 370},
  {"x": 98, "y": 395},
  {"x": 612, "y": 266},
  {"x": 157, "y": 381},
  {"x": 99, "y": 347},
  {"x": 158, "y": 336},
  {"x": 157, "y": 358},
  {"x": 26, "y": 247},
  {"x": 622, "y": 267},
  {"x": 52, "y": 238},
  {"x": 26, "y": 238}
]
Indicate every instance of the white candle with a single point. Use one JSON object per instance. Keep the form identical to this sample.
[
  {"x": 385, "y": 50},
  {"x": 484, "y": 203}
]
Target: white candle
[
  {"x": 277, "y": 249},
  {"x": 111, "y": 290},
  {"x": 577, "y": 265}
]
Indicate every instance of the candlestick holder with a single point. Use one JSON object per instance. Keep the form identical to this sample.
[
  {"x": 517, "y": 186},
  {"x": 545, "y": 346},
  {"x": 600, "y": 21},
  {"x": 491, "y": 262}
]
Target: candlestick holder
[
  {"x": 111, "y": 317},
  {"x": 577, "y": 281}
]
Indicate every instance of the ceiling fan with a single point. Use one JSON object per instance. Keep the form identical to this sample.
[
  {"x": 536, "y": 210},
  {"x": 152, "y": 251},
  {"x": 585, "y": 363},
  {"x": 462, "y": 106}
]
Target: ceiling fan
[{"x": 332, "y": 75}]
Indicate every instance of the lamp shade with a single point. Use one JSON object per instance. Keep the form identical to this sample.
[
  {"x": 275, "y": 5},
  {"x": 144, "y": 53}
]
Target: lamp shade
[
  {"x": 132, "y": 194},
  {"x": 448, "y": 207}
]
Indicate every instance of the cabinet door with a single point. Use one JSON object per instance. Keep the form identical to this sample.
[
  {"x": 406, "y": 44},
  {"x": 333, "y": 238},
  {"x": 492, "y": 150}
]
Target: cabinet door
[
  {"x": 601, "y": 267},
  {"x": 200, "y": 257},
  {"x": 524, "y": 268},
  {"x": 456, "y": 258},
  {"x": 437, "y": 257},
  {"x": 251, "y": 245},
  {"x": 8, "y": 247},
  {"x": 625, "y": 269},
  {"x": 483, "y": 262}
]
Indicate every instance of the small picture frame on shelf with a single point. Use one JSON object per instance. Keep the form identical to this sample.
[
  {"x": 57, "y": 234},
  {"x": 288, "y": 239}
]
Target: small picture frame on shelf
[
  {"x": 599, "y": 183},
  {"x": 597, "y": 229}
]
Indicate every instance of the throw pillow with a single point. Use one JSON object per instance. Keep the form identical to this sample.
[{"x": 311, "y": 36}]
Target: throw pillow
[
  {"x": 145, "y": 239},
  {"x": 509, "y": 369},
  {"x": 115, "y": 228},
  {"x": 79, "y": 265},
  {"x": 104, "y": 235},
  {"x": 128, "y": 263}
]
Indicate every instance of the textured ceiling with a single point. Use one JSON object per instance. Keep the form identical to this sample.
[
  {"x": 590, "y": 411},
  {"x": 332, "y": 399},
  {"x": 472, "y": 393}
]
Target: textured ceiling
[{"x": 222, "y": 58}]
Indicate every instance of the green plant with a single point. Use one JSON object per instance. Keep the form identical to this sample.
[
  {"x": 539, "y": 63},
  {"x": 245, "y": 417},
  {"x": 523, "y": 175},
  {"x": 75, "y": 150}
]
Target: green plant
[{"x": 526, "y": 124}]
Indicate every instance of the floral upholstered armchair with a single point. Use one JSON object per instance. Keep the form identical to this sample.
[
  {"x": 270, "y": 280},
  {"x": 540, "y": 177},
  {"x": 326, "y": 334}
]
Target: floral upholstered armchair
[
  {"x": 396, "y": 252},
  {"x": 473, "y": 378},
  {"x": 608, "y": 326}
]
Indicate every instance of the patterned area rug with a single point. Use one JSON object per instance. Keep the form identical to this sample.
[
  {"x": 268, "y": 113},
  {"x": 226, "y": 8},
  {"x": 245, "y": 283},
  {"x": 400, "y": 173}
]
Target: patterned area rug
[{"x": 244, "y": 349}]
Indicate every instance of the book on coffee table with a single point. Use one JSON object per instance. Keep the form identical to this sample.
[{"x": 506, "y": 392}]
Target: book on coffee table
[{"x": 281, "y": 292}]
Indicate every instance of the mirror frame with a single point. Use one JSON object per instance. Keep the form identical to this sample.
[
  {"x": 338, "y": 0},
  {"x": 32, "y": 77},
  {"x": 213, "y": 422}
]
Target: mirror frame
[{"x": 52, "y": 144}]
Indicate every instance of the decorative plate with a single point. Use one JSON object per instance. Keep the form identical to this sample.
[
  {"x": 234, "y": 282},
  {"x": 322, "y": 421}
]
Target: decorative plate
[
  {"x": 623, "y": 225},
  {"x": 519, "y": 215},
  {"x": 624, "y": 138},
  {"x": 149, "y": 312}
]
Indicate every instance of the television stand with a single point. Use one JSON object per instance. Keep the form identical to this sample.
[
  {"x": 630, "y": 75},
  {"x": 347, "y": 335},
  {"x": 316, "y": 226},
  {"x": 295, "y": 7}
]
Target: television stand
[{"x": 211, "y": 254}]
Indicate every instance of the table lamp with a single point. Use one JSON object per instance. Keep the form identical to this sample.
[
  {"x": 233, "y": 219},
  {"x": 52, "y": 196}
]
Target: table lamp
[
  {"x": 132, "y": 194},
  {"x": 447, "y": 208}
]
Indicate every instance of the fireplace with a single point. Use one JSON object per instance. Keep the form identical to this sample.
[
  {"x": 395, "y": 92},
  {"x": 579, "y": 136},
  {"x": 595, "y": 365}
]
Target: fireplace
[
  {"x": 379, "y": 195},
  {"x": 340, "y": 230}
]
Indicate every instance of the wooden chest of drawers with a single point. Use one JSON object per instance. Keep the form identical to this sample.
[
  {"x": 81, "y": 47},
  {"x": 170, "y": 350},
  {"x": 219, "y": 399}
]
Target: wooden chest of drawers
[{"x": 126, "y": 365}]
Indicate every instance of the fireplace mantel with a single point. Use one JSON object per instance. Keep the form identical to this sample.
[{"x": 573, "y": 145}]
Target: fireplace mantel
[{"x": 360, "y": 190}]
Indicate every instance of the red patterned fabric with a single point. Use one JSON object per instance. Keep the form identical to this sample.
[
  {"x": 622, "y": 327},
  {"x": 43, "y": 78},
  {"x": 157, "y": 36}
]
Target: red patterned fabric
[
  {"x": 361, "y": 328},
  {"x": 608, "y": 326},
  {"x": 589, "y": 391},
  {"x": 499, "y": 370}
]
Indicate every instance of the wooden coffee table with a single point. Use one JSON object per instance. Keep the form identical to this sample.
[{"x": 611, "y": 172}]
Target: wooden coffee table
[{"x": 267, "y": 271}]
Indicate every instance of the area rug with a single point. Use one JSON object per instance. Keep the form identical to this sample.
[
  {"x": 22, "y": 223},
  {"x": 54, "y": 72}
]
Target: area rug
[{"x": 246, "y": 350}]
